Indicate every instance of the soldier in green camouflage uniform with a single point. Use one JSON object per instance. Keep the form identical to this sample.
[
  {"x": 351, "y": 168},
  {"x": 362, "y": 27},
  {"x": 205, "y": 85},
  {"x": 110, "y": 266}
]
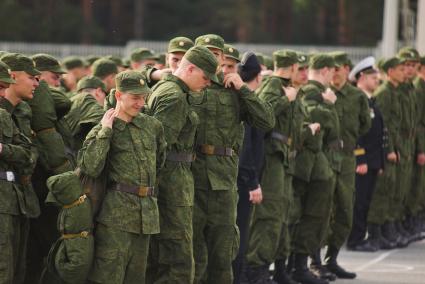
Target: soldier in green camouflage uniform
[
  {"x": 388, "y": 100},
  {"x": 221, "y": 109},
  {"x": 128, "y": 147},
  {"x": 419, "y": 199},
  {"x": 269, "y": 224},
  {"x": 106, "y": 70},
  {"x": 75, "y": 70},
  {"x": 354, "y": 116},
  {"x": 86, "y": 109},
  {"x": 314, "y": 167},
  {"x": 172, "y": 252},
  {"x": 18, "y": 201}
]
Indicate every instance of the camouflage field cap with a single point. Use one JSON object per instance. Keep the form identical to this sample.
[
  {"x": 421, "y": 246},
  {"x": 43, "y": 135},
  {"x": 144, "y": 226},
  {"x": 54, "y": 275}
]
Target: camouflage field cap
[
  {"x": 132, "y": 82},
  {"x": 141, "y": 53},
  {"x": 117, "y": 60},
  {"x": 46, "y": 62},
  {"x": 408, "y": 54},
  {"x": 391, "y": 63},
  {"x": 72, "y": 62},
  {"x": 104, "y": 67},
  {"x": 90, "y": 82},
  {"x": 210, "y": 40},
  {"x": 268, "y": 62},
  {"x": 230, "y": 51},
  {"x": 204, "y": 59},
  {"x": 5, "y": 75},
  {"x": 180, "y": 44},
  {"x": 302, "y": 59},
  {"x": 160, "y": 58},
  {"x": 321, "y": 60},
  {"x": 284, "y": 58},
  {"x": 19, "y": 62},
  {"x": 91, "y": 59},
  {"x": 341, "y": 58}
]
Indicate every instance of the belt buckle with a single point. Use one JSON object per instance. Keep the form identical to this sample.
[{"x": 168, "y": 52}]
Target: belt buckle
[
  {"x": 143, "y": 191},
  {"x": 208, "y": 149},
  {"x": 10, "y": 176}
]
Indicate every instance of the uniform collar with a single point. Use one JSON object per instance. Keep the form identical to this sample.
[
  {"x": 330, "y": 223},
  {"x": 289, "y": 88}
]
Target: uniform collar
[
  {"x": 178, "y": 81},
  {"x": 319, "y": 85},
  {"x": 7, "y": 105},
  {"x": 120, "y": 124}
]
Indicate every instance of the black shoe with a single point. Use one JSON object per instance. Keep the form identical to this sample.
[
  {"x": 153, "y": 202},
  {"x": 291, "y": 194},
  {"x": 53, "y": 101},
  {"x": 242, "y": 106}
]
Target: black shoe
[
  {"x": 280, "y": 275},
  {"x": 302, "y": 274},
  {"x": 366, "y": 246},
  {"x": 386, "y": 244},
  {"x": 340, "y": 272},
  {"x": 259, "y": 275},
  {"x": 332, "y": 265},
  {"x": 322, "y": 272}
]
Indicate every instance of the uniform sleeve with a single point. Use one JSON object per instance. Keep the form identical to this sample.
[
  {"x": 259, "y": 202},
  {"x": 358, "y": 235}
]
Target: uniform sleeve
[
  {"x": 364, "y": 115},
  {"x": 17, "y": 153},
  {"x": 161, "y": 148},
  {"x": 384, "y": 102},
  {"x": 273, "y": 93},
  {"x": 255, "y": 111},
  {"x": 62, "y": 103},
  {"x": 168, "y": 110},
  {"x": 420, "y": 125},
  {"x": 92, "y": 156}
]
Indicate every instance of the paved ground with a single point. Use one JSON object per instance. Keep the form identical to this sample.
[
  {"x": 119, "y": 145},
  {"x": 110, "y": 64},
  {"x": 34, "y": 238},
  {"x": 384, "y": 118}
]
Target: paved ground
[{"x": 399, "y": 266}]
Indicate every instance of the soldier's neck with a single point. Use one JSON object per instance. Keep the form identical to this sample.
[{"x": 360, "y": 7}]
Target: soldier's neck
[
  {"x": 319, "y": 78},
  {"x": 11, "y": 97},
  {"x": 283, "y": 73},
  {"x": 393, "y": 82}
]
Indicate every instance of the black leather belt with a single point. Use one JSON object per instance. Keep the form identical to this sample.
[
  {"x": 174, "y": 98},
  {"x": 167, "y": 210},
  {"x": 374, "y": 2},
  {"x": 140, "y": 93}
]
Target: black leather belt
[
  {"x": 282, "y": 138},
  {"x": 141, "y": 191},
  {"x": 8, "y": 176},
  {"x": 181, "y": 157},
  {"x": 215, "y": 150}
]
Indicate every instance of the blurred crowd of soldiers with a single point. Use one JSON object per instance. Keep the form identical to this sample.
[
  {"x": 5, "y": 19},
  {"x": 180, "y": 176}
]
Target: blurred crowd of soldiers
[{"x": 203, "y": 165}]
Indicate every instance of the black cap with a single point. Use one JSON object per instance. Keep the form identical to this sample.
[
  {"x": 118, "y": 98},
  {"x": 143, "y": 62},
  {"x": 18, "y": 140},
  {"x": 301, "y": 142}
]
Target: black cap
[{"x": 250, "y": 67}]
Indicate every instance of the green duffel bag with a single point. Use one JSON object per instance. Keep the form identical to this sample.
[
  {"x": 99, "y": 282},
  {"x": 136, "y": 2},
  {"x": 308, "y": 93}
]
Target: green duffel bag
[{"x": 71, "y": 257}]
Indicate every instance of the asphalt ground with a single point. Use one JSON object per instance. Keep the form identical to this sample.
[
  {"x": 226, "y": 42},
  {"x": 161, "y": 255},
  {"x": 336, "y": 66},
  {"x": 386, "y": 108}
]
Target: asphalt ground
[{"x": 398, "y": 266}]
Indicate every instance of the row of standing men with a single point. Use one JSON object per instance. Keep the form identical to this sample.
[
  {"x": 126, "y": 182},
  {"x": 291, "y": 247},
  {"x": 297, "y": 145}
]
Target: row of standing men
[{"x": 305, "y": 161}]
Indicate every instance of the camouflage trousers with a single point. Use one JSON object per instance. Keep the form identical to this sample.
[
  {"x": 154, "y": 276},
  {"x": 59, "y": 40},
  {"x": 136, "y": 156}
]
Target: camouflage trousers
[
  {"x": 398, "y": 205},
  {"x": 171, "y": 251},
  {"x": 415, "y": 198},
  {"x": 13, "y": 246},
  {"x": 120, "y": 257},
  {"x": 314, "y": 201},
  {"x": 343, "y": 202},
  {"x": 268, "y": 233},
  {"x": 215, "y": 235}
]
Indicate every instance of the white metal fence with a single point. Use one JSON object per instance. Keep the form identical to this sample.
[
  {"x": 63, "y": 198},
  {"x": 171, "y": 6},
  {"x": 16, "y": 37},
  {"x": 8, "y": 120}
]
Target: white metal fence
[{"x": 63, "y": 50}]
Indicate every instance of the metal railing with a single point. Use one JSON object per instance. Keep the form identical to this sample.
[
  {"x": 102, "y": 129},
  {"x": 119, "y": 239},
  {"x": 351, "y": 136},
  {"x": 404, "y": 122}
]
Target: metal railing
[{"x": 63, "y": 50}]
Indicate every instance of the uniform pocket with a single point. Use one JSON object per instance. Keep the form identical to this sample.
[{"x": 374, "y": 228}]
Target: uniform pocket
[{"x": 105, "y": 266}]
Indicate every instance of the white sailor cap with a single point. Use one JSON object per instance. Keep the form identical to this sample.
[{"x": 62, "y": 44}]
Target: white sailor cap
[{"x": 364, "y": 65}]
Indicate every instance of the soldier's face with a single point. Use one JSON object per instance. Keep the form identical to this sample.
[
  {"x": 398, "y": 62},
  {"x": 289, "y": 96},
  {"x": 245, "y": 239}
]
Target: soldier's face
[
  {"x": 174, "y": 60},
  {"x": 25, "y": 85},
  {"x": 228, "y": 66},
  {"x": 218, "y": 54},
  {"x": 3, "y": 88},
  {"x": 410, "y": 69},
  {"x": 371, "y": 81},
  {"x": 79, "y": 72},
  {"x": 301, "y": 77},
  {"x": 422, "y": 70},
  {"x": 340, "y": 75},
  {"x": 52, "y": 79},
  {"x": 397, "y": 73},
  {"x": 130, "y": 104},
  {"x": 198, "y": 80}
]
